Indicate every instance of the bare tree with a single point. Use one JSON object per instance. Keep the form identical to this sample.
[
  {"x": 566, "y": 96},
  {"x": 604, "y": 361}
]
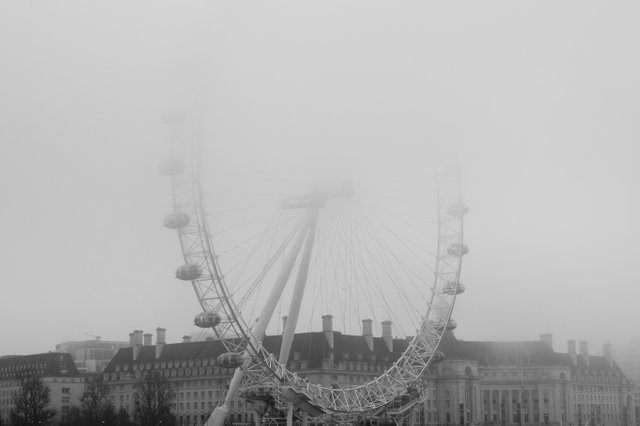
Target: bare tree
[
  {"x": 122, "y": 418},
  {"x": 154, "y": 396},
  {"x": 94, "y": 402},
  {"x": 31, "y": 402}
]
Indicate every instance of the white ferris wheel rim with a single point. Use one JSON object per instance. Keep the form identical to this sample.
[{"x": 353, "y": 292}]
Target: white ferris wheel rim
[{"x": 214, "y": 296}]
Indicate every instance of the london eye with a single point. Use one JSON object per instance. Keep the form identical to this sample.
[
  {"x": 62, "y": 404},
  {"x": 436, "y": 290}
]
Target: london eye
[{"x": 377, "y": 252}]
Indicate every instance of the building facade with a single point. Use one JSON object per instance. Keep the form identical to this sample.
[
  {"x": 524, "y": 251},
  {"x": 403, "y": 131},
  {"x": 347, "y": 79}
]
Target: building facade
[
  {"x": 524, "y": 383},
  {"x": 529, "y": 383},
  {"x": 57, "y": 372},
  {"x": 628, "y": 357}
]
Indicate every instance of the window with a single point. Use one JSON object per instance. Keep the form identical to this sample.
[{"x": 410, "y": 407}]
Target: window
[{"x": 66, "y": 390}]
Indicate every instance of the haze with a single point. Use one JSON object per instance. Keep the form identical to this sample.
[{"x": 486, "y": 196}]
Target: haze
[{"x": 538, "y": 101}]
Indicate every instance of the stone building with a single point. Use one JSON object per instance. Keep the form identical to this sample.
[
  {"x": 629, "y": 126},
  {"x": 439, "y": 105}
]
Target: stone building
[
  {"x": 478, "y": 382},
  {"x": 56, "y": 370},
  {"x": 529, "y": 383},
  {"x": 628, "y": 357}
]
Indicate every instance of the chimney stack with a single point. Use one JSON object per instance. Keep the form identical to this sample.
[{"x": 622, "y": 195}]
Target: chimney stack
[
  {"x": 186, "y": 338},
  {"x": 584, "y": 351},
  {"x": 137, "y": 343},
  {"x": 608, "y": 354},
  {"x": 160, "y": 341},
  {"x": 367, "y": 332},
  {"x": 147, "y": 339},
  {"x": 327, "y": 328},
  {"x": 386, "y": 334},
  {"x": 548, "y": 339}
]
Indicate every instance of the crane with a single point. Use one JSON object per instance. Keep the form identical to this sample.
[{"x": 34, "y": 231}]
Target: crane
[{"x": 92, "y": 335}]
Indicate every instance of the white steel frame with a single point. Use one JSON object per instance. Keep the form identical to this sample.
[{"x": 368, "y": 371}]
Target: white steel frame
[{"x": 259, "y": 365}]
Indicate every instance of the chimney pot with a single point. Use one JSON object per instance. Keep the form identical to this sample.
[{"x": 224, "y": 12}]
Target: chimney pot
[
  {"x": 137, "y": 343},
  {"x": 137, "y": 336},
  {"x": 327, "y": 322},
  {"x": 147, "y": 339},
  {"x": 186, "y": 339},
  {"x": 367, "y": 327},
  {"x": 367, "y": 332},
  {"x": 387, "y": 334},
  {"x": 161, "y": 335},
  {"x": 160, "y": 341},
  {"x": 386, "y": 328},
  {"x": 327, "y": 328},
  {"x": 548, "y": 339}
]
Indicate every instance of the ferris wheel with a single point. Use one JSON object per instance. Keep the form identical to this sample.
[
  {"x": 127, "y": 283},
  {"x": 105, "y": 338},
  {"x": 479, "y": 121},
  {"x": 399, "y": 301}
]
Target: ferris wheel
[{"x": 350, "y": 254}]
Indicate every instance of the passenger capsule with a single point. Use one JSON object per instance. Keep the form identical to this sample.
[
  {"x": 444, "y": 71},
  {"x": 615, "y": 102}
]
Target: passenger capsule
[
  {"x": 172, "y": 167},
  {"x": 457, "y": 210},
  {"x": 438, "y": 356},
  {"x": 457, "y": 249},
  {"x": 230, "y": 360},
  {"x": 188, "y": 272},
  {"x": 258, "y": 392},
  {"x": 452, "y": 289},
  {"x": 207, "y": 319},
  {"x": 440, "y": 326},
  {"x": 176, "y": 220},
  {"x": 451, "y": 325}
]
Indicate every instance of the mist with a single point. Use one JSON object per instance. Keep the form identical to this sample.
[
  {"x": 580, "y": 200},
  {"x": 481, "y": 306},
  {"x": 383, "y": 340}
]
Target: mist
[{"x": 537, "y": 102}]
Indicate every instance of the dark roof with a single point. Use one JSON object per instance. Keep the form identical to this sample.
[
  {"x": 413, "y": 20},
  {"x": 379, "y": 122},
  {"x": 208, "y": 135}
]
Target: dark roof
[
  {"x": 313, "y": 348},
  {"x": 486, "y": 354},
  {"x": 47, "y": 364},
  {"x": 528, "y": 354}
]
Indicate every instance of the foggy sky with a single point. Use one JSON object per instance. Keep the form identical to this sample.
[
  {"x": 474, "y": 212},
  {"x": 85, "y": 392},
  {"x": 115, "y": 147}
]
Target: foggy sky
[{"x": 539, "y": 101}]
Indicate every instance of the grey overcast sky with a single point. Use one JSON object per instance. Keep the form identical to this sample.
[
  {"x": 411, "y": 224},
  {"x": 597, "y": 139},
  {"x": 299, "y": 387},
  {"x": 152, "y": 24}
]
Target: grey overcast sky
[{"x": 539, "y": 100}]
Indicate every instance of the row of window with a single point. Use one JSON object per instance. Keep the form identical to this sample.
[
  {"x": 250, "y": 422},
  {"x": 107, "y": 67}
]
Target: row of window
[
  {"x": 22, "y": 367},
  {"x": 598, "y": 389}
]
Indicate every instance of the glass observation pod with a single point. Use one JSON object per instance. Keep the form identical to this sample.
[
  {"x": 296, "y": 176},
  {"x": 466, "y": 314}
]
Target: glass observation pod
[
  {"x": 452, "y": 289},
  {"x": 230, "y": 359},
  {"x": 172, "y": 167},
  {"x": 457, "y": 210},
  {"x": 457, "y": 249},
  {"x": 451, "y": 325},
  {"x": 440, "y": 326},
  {"x": 176, "y": 220},
  {"x": 258, "y": 392},
  {"x": 438, "y": 356},
  {"x": 188, "y": 272},
  {"x": 207, "y": 319}
]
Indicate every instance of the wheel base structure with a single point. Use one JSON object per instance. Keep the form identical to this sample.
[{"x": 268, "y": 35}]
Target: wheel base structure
[{"x": 218, "y": 416}]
